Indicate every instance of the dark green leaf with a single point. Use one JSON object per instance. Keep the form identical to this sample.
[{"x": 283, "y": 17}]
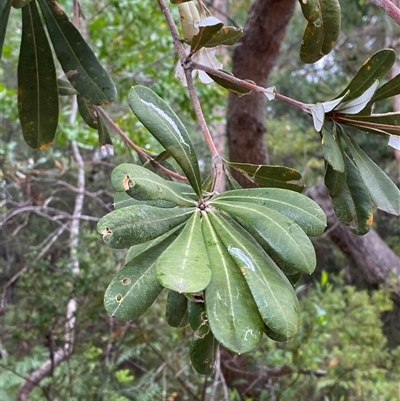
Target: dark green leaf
[
  {"x": 389, "y": 89},
  {"x": 350, "y": 199},
  {"x": 298, "y": 207},
  {"x": 231, "y": 310},
  {"x": 204, "y": 346},
  {"x": 184, "y": 265},
  {"x": 227, "y": 36},
  {"x": 88, "y": 112},
  {"x": 135, "y": 287},
  {"x": 77, "y": 59},
  {"x": 388, "y": 123},
  {"x": 271, "y": 176},
  {"x": 331, "y": 149},
  {"x": 143, "y": 184},
  {"x": 237, "y": 89},
  {"x": 5, "y": 7},
  {"x": 376, "y": 67},
  {"x": 65, "y": 88},
  {"x": 383, "y": 191},
  {"x": 208, "y": 28},
  {"x": 137, "y": 224},
  {"x": 176, "y": 313},
  {"x": 271, "y": 290},
  {"x": 105, "y": 142},
  {"x": 166, "y": 127},
  {"x": 37, "y": 82},
  {"x": 122, "y": 199},
  {"x": 287, "y": 243}
]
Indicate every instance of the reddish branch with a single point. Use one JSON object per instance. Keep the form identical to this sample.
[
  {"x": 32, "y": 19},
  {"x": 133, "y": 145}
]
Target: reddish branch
[{"x": 390, "y": 9}]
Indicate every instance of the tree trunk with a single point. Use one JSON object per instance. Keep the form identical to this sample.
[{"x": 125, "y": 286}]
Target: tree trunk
[{"x": 254, "y": 58}]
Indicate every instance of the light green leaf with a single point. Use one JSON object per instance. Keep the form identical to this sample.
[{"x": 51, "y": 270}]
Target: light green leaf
[
  {"x": 203, "y": 349},
  {"x": 166, "y": 127},
  {"x": 142, "y": 184},
  {"x": 270, "y": 176},
  {"x": 176, "y": 313},
  {"x": 231, "y": 310},
  {"x": 184, "y": 265},
  {"x": 37, "y": 82},
  {"x": 356, "y": 105},
  {"x": 287, "y": 243},
  {"x": 208, "y": 29},
  {"x": 350, "y": 199},
  {"x": 331, "y": 149},
  {"x": 77, "y": 59},
  {"x": 271, "y": 290},
  {"x": 383, "y": 191},
  {"x": 137, "y": 224},
  {"x": 135, "y": 287},
  {"x": 297, "y": 207},
  {"x": 375, "y": 68}
]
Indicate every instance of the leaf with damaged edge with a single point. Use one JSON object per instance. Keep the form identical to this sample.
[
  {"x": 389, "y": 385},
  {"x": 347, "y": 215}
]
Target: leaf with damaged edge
[{"x": 176, "y": 313}]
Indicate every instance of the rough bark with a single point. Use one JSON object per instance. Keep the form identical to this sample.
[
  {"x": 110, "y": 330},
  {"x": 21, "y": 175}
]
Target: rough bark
[{"x": 254, "y": 58}]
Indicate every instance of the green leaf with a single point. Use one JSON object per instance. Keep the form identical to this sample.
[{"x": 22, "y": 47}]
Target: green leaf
[
  {"x": 88, "y": 112},
  {"x": 37, "y": 82},
  {"x": 122, "y": 199},
  {"x": 322, "y": 30},
  {"x": 166, "y": 127},
  {"x": 19, "y": 3},
  {"x": 227, "y": 36},
  {"x": 383, "y": 124},
  {"x": 184, "y": 265},
  {"x": 237, "y": 89},
  {"x": 137, "y": 224},
  {"x": 203, "y": 349},
  {"x": 142, "y": 184},
  {"x": 65, "y": 88},
  {"x": 297, "y": 207},
  {"x": 287, "y": 243},
  {"x": 383, "y": 191},
  {"x": 271, "y": 290},
  {"x": 135, "y": 287},
  {"x": 358, "y": 104},
  {"x": 375, "y": 68},
  {"x": 77, "y": 59},
  {"x": 389, "y": 89},
  {"x": 350, "y": 199},
  {"x": 331, "y": 149},
  {"x": 271, "y": 176},
  {"x": 179, "y": 1},
  {"x": 208, "y": 29},
  {"x": 176, "y": 313},
  {"x": 138, "y": 249},
  {"x": 105, "y": 141},
  {"x": 231, "y": 310},
  {"x": 231, "y": 181},
  {"x": 5, "y": 7}
]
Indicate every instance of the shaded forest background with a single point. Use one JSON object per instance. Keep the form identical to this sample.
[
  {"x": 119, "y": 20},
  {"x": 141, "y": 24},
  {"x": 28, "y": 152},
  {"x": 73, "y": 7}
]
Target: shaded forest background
[{"x": 348, "y": 346}]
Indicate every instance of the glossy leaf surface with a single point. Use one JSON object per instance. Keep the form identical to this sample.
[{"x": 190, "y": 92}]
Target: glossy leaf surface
[
  {"x": 37, "y": 82},
  {"x": 166, "y": 127},
  {"x": 137, "y": 224},
  {"x": 141, "y": 183},
  {"x": 298, "y": 207},
  {"x": 288, "y": 244},
  {"x": 271, "y": 290},
  {"x": 271, "y": 176},
  {"x": 231, "y": 310},
  {"x": 81, "y": 66},
  {"x": 184, "y": 265}
]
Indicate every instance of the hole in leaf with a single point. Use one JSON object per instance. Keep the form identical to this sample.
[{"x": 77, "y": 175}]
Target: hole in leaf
[
  {"x": 107, "y": 231},
  {"x": 126, "y": 281},
  {"x": 118, "y": 298}
]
